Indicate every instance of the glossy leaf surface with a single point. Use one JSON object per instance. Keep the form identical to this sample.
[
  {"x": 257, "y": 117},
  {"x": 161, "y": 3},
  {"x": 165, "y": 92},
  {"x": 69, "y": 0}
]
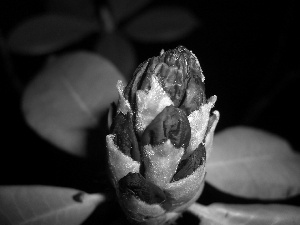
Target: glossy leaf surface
[
  {"x": 46, "y": 205},
  {"x": 252, "y": 163},
  {"x": 68, "y": 97},
  {"x": 47, "y": 33},
  {"x": 162, "y": 24},
  {"x": 226, "y": 214}
]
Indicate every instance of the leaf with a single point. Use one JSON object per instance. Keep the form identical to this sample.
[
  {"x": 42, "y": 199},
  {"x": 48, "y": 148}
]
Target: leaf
[
  {"x": 45, "y": 205},
  {"x": 162, "y": 25},
  {"x": 124, "y": 8},
  {"x": 252, "y": 163},
  {"x": 119, "y": 51},
  {"x": 256, "y": 214},
  {"x": 79, "y": 8},
  {"x": 223, "y": 214},
  {"x": 68, "y": 97},
  {"x": 48, "y": 33}
]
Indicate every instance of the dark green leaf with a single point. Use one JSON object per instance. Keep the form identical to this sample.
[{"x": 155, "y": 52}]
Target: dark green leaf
[
  {"x": 79, "y": 8},
  {"x": 68, "y": 97},
  {"x": 222, "y": 214},
  {"x": 124, "y": 8},
  {"x": 252, "y": 163},
  {"x": 162, "y": 25},
  {"x": 47, "y": 33},
  {"x": 20, "y": 205}
]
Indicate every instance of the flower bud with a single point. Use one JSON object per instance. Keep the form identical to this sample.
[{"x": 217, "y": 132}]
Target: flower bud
[{"x": 160, "y": 138}]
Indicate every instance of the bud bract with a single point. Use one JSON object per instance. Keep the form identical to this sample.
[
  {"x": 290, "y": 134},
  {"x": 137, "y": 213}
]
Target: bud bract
[{"x": 161, "y": 137}]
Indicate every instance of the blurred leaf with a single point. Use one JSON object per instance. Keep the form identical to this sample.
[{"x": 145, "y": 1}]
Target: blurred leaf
[
  {"x": 47, "y": 33},
  {"x": 123, "y": 8},
  {"x": 68, "y": 97},
  {"x": 222, "y": 214},
  {"x": 45, "y": 205},
  {"x": 252, "y": 163},
  {"x": 79, "y": 8},
  {"x": 162, "y": 24},
  {"x": 119, "y": 51}
]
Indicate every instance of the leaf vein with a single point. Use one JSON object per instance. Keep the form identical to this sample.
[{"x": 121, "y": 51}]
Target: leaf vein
[{"x": 78, "y": 98}]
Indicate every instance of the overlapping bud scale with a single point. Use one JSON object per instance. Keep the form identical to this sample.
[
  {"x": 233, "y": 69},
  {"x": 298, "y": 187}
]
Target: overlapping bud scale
[{"x": 160, "y": 138}]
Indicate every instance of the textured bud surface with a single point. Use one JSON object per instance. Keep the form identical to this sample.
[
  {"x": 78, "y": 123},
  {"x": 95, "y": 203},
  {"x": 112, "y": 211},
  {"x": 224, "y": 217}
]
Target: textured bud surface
[
  {"x": 125, "y": 137},
  {"x": 135, "y": 183},
  {"x": 160, "y": 138},
  {"x": 172, "y": 124},
  {"x": 161, "y": 162}
]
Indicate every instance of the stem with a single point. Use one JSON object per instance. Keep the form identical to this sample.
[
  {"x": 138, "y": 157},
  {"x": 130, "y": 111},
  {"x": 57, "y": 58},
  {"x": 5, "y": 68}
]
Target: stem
[
  {"x": 8, "y": 66},
  {"x": 109, "y": 25}
]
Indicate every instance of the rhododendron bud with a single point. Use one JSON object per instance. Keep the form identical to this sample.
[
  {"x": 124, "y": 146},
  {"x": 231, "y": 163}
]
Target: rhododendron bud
[{"x": 160, "y": 138}]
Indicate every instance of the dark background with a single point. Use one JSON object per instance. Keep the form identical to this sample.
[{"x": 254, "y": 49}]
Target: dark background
[{"x": 248, "y": 51}]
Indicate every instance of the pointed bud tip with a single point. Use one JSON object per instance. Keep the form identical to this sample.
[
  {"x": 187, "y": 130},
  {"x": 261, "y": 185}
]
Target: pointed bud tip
[
  {"x": 181, "y": 77},
  {"x": 182, "y": 57}
]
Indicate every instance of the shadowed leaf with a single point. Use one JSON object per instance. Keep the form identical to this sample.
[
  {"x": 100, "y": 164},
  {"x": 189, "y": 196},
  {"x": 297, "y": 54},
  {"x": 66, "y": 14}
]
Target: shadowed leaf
[
  {"x": 162, "y": 24},
  {"x": 252, "y": 163},
  {"x": 124, "y": 8},
  {"x": 79, "y": 8},
  {"x": 68, "y": 97},
  {"x": 46, "y": 205},
  {"x": 222, "y": 214},
  {"x": 47, "y": 33},
  {"x": 119, "y": 51}
]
